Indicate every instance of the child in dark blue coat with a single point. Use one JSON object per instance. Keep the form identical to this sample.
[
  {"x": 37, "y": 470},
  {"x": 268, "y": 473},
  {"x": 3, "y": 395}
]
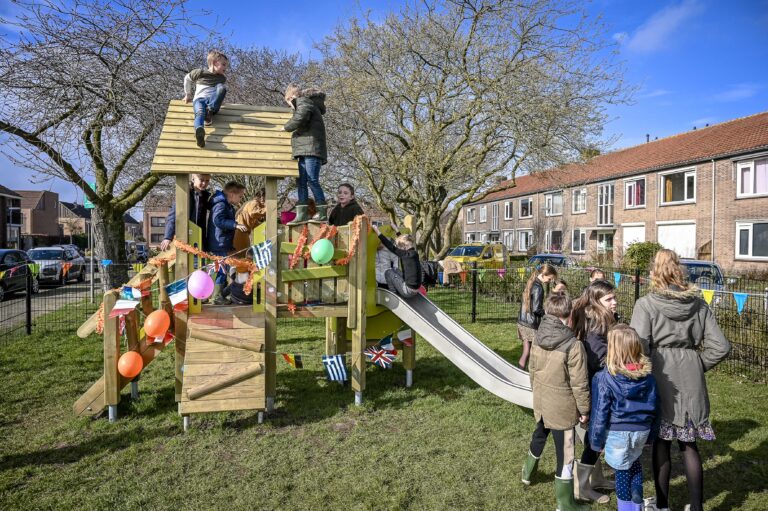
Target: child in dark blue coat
[
  {"x": 221, "y": 229},
  {"x": 624, "y": 411}
]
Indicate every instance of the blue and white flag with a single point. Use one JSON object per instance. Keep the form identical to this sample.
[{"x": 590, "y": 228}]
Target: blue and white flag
[
  {"x": 123, "y": 306},
  {"x": 335, "y": 367},
  {"x": 386, "y": 343},
  {"x": 132, "y": 293},
  {"x": 177, "y": 291},
  {"x": 262, "y": 254}
]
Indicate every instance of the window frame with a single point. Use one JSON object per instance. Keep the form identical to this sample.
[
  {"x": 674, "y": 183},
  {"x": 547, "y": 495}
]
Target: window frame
[
  {"x": 528, "y": 237},
  {"x": 582, "y": 233},
  {"x": 609, "y": 206},
  {"x": 511, "y": 234},
  {"x": 548, "y": 241},
  {"x": 751, "y": 165},
  {"x": 530, "y": 208},
  {"x": 483, "y": 214},
  {"x": 470, "y": 214},
  {"x": 627, "y": 184},
  {"x": 155, "y": 237},
  {"x": 509, "y": 209},
  {"x": 574, "y": 202},
  {"x": 748, "y": 226},
  {"x": 549, "y": 202},
  {"x": 686, "y": 172},
  {"x": 495, "y": 217},
  {"x": 159, "y": 219}
]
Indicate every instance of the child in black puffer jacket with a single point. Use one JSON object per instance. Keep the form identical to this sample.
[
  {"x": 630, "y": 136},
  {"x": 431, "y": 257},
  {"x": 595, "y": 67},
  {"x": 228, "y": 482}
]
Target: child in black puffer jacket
[{"x": 407, "y": 282}]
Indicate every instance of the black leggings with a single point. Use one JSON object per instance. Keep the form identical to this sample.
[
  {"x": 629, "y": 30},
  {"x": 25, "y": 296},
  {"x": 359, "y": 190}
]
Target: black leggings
[
  {"x": 564, "y": 446},
  {"x": 589, "y": 456},
  {"x": 694, "y": 473}
]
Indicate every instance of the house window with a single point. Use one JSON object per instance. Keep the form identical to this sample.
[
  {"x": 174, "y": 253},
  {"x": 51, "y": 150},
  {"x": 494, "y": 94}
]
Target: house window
[
  {"x": 605, "y": 204},
  {"x": 483, "y": 214},
  {"x": 524, "y": 240},
  {"x": 580, "y": 201},
  {"x": 470, "y": 215},
  {"x": 156, "y": 237},
  {"x": 157, "y": 221},
  {"x": 470, "y": 237},
  {"x": 605, "y": 243},
  {"x": 553, "y": 241},
  {"x": 508, "y": 210},
  {"x": 495, "y": 217},
  {"x": 509, "y": 240},
  {"x": 634, "y": 193},
  {"x": 752, "y": 240},
  {"x": 752, "y": 178},
  {"x": 554, "y": 203},
  {"x": 579, "y": 242},
  {"x": 678, "y": 187},
  {"x": 526, "y": 208}
]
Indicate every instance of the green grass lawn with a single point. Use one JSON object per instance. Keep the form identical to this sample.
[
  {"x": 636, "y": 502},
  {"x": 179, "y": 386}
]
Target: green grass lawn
[{"x": 443, "y": 444}]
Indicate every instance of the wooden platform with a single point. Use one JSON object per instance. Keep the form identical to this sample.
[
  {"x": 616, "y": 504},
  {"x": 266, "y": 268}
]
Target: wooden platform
[{"x": 219, "y": 377}]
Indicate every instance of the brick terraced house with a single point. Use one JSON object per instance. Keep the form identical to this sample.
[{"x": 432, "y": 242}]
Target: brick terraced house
[{"x": 703, "y": 193}]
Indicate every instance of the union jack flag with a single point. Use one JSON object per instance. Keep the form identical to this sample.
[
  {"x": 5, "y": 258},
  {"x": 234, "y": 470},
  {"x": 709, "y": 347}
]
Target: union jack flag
[{"x": 380, "y": 357}]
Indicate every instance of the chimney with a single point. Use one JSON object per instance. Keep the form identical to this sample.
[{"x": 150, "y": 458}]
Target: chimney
[
  {"x": 647, "y": 137},
  {"x": 694, "y": 128}
]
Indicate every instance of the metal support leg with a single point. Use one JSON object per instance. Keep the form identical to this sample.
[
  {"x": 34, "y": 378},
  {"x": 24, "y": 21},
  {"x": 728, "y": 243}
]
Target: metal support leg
[
  {"x": 185, "y": 422},
  {"x": 261, "y": 418},
  {"x": 358, "y": 398},
  {"x": 134, "y": 390},
  {"x": 409, "y": 377},
  {"x": 270, "y": 404},
  {"x": 112, "y": 413}
]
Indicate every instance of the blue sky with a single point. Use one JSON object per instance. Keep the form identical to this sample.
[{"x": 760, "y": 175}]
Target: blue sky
[{"x": 694, "y": 62}]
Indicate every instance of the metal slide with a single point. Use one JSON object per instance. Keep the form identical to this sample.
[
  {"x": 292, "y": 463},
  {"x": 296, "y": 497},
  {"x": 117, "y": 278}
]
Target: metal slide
[{"x": 474, "y": 358}]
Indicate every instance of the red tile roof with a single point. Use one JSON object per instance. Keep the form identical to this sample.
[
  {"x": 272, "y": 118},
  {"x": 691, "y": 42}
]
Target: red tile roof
[{"x": 739, "y": 136}]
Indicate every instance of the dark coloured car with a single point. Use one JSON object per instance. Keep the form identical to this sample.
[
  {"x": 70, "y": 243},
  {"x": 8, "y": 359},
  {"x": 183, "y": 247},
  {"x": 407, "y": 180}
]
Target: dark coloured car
[
  {"x": 14, "y": 267},
  {"x": 705, "y": 275},
  {"x": 58, "y": 265},
  {"x": 559, "y": 260}
]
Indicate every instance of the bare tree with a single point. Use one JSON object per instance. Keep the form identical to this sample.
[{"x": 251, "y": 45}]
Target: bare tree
[
  {"x": 431, "y": 104},
  {"x": 86, "y": 83}
]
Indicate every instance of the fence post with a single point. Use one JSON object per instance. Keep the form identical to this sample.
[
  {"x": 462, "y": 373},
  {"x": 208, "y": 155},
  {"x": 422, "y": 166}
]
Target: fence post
[
  {"x": 28, "y": 301},
  {"x": 474, "y": 291},
  {"x": 637, "y": 284}
]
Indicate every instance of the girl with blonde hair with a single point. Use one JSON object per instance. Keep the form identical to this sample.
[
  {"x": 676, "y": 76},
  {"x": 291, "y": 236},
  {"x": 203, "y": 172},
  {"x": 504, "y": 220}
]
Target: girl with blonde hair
[
  {"x": 624, "y": 408},
  {"x": 675, "y": 323},
  {"x": 532, "y": 308}
]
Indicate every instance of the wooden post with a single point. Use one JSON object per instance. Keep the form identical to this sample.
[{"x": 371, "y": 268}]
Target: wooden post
[
  {"x": 357, "y": 294},
  {"x": 164, "y": 300},
  {"x": 132, "y": 330},
  {"x": 270, "y": 295},
  {"x": 111, "y": 355},
  {"x": 182, "y": 268}
]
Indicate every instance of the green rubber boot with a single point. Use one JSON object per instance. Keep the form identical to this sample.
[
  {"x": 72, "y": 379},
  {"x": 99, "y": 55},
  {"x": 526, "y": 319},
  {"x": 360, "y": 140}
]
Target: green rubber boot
[
  {"x": 302, "y": 216},
  {"x": 322, "y": 214},
  {"x": 529, "y": 468},
  {"x": 217, "y": 298},
  {"x": 564, "y": 496}
]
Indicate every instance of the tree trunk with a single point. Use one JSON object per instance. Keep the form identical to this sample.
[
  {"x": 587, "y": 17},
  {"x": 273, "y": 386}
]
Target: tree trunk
[{"x": 109, "y": 243}]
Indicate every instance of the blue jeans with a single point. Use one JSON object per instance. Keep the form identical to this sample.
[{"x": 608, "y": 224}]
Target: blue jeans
[
  {"x": 309, "y": 174},
  {"x": 221, "y": 275},
  {"x": 212, "y": 103}
]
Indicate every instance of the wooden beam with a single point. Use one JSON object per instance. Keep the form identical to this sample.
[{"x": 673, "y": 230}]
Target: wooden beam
[
  {"x": 272, "y": 280},
  {"x": 182, "y": 270},
  {"x": 225, "y": 340},
  {"x": 318, "y": 311},
  {"x": 209, "y": 388},
  {"x": 321, "y": 272},
  {"x": 357, "y": 294}
]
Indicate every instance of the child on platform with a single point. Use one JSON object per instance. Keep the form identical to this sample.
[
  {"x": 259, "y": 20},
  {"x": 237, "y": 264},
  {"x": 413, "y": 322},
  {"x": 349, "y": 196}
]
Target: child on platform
[
  {"x": 624, "y": 409},
  {"x": 221, "y": 230},
  {"x": 558, "y": 372},
  {"x": 407, "y": 282},
  {"x": 208, "y": 93}
]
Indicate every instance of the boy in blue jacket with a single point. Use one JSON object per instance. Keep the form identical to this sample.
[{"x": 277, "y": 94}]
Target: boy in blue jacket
[
  {"x": 221, "y": 230},
  {"x": 624, "y": 411}
]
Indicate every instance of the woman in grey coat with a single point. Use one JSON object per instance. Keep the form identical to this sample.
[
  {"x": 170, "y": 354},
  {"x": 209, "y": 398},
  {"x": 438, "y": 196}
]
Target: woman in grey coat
[{"x": 684, "y": 341}]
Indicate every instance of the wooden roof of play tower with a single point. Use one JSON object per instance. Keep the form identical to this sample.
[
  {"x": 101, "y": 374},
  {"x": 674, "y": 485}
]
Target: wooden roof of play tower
[{"x": 243, "y": 139}]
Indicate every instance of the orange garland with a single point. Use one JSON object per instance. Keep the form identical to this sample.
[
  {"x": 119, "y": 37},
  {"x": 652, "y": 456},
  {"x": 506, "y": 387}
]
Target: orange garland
[
  {"x": 293, "y": 260},
  {"x": 354, "y": 239}
]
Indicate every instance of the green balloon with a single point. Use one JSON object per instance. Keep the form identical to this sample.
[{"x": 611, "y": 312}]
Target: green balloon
[{"x": 322, "y": 251}]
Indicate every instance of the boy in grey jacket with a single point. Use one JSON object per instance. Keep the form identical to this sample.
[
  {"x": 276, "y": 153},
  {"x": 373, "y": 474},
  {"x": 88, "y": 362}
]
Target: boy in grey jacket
[{"x": 208, "y": 93}]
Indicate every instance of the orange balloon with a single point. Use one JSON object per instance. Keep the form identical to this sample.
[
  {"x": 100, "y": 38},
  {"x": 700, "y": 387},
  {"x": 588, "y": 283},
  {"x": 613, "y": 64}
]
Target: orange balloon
[
  {"x": 156, "y": 324},
  {"x": 130, "y": 364}
]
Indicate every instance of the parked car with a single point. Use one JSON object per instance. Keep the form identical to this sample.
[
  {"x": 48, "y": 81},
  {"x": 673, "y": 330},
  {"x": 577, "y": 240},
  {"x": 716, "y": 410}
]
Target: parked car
[
  {"x": 559, "y": 260},
  {"x": 142, "y": 252},
  {"x": 14, "y": 267},
  {"x": 486, "y": 255},
  {"x": 54, "y": 260},
  {"x": 69, "y": 245},
  {"x": 705, "y": 275}
]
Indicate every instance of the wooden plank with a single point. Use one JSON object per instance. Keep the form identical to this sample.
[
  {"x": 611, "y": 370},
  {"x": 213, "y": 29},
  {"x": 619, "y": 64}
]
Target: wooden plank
[
  {"x": 176, "y": 130},
  {"x": 220, "y": 357},
  {"x": 272, "y": 279},
  {"x": 289, "y": 247},
  {"x": 231, "y": 379},
  {"x": 193, "y": 166},
  {"x": 319, "y": 311},
  {"x": 111, "y": 351},
  {"x": 319, "y": 272},
  {"x": 358, "y": 295},
  {"x": 237, "y": 108},
  {"x": 225, "y": 120},
  {"x": 198, "y": 346},
  {"x": 204, "y": 159},
  {"x": 226, "y": 340},
  {"x": 223, "y": 154},
  {"x": 221, "y": 405},
  {"x": 222, "y": 369},
  {"x": 237, "y": 391},
  {"x": 132, "y": 330},
  {"x": 182, "y": 270},
  {"x": 266, "y": 146},
  {"x": 256, "y": 382}
]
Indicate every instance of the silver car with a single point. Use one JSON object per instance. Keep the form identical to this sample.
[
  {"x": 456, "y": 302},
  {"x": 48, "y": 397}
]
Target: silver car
[{"x": 58, "y": 265}]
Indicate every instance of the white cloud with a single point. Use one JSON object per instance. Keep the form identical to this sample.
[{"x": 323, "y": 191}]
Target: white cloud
[
  {"x": 661, "y": 28},
  {"x": 655, "y": 93},
  {"x": 737, "y": 92}
]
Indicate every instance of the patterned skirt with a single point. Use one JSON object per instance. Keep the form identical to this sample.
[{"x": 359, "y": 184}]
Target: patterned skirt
[{"x": 687, "y": 433}]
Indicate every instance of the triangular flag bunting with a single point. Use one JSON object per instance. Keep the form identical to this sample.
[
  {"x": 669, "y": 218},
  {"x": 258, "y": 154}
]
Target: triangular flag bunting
[
  {"x": 65, "y": 267},
  {"x": 335, "y": 367},
  {"x": 294, "y": 360},
  {"x": 262, "y": 254},
  {"x": 616, "y": 278},
  {"x": 132, "y": 293},
  {"x": 177, "y": 291},
  {"x": 380, "y": 357},
  {"x": 708, "y": 295},
  {"x": 741, "y": 299},
  {"x": 386, "y": 343},
  {"x": 123, "y": 307},
  {"x": 405, "y": 336},
  {"x": 106, "y": 262},
  {"x": 521, "y": 272}
]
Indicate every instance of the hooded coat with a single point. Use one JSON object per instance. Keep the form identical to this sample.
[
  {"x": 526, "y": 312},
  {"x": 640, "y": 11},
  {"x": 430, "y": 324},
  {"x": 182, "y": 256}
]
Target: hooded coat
[
  {"x": 685, "y": 342},
  {"x": 307, "y": 125},
  {"x": 221, "y": 225},
  {"x": 558, "y": 372},
  {"x": 624, "y": 402},
  {"x": 342, "y": 215},
  {"x": 198, "y": 213},
  {"x": 532, "y": 317},
  {"x": 252, "y": 214}
]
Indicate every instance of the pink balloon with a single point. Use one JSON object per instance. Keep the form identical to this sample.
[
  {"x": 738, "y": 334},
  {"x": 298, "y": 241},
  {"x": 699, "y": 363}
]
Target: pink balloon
[{"x": 200, "y": 285}]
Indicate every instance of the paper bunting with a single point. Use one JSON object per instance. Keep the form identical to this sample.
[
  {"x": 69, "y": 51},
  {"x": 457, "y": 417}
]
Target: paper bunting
[
  {"x": 380, "y": 357},
  {"x": 501, "y": 272},
  {"x": 106, "y": 262},
  {"x": 405, "y": 336},
  {"x": 132, "y": 293},
  {"x": 35, "y": 269},
  {"x": 616, "y": 278},
  {"x": 177, "y": 291},
  {"x": 65, "y": 267},
  {"x": 262, "y": 254},
  {"x": 335, "y": 367},
  {"x": 741, "y": 299},
  {"x": 386, "y": 343},
  {"x": 294, "y": 360},
  {"x": 708, "y": 295},
  {"x": 2, "y": 274},
  {"x": 123, "y": 306},
  {"x": 521, "y": 272}
]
